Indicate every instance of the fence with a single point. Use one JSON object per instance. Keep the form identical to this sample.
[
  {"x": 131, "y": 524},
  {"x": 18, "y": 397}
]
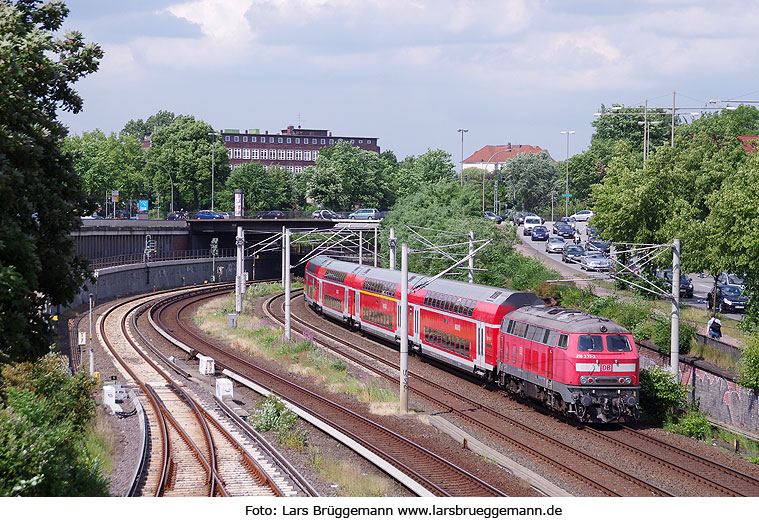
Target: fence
[{"x": 174, "y": 255}]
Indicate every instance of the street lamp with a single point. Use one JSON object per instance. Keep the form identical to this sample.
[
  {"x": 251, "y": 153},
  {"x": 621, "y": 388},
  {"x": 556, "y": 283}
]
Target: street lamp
[
  {"x": 566, "y": 193},
  {"x": 213, "y": 165},
  {"x": 172, "y": 184},
  {"x": 495, "y": 180},
  {"x": 646, "y": 140},
  {"x": 461, "y": 176}
]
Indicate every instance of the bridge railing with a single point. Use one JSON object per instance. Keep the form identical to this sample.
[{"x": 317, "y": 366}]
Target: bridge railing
[{"x": 173, "y": 255}]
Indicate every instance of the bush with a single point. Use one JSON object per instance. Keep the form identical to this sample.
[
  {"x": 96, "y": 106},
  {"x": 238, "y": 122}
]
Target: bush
[
  {"x": 662, "y": 333},
  {"x": 272, "y": 415},
  {"x": 749, "y": 364},
  {"x": 660, "y": 394},
  {"x": 693, "y": 424}
]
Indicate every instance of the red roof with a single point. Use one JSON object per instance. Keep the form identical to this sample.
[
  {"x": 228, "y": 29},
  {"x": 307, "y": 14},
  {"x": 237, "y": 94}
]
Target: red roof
[
  {"x": 749, "y": 142},
  {"x": 501, "y": 153}
]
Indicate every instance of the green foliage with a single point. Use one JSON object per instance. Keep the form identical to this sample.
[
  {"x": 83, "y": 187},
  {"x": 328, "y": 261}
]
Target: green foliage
[
  {"x": 749, "y": 363},
  {"x": 449, "y": 207},
  {"x": 662, "y": 335},
  {"x": 432, "y": 167},
  {"x": 40, "y": 198},
  {"x": 693, "y": 424},
  {"x": 184, "y": 149},
  {"x": 272, "y": 415},
  {"x": 104, "y": 163},
  {"x": 44, "y": 417},
  {"x": 272, "y": 189},
  {"x": 660, "y": 394},
  {"x": 622, "y": 125},
  {"x": 528, "y": 179},
  {"x": 345, "y": 177},
  {"x": 139, "y": 129}
]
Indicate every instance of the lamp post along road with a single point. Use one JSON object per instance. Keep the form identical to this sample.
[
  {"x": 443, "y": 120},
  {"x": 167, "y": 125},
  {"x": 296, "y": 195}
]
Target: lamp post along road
[
  {"x": 566, "y": 193},
  {"x": 213, "y": 165},
  {"x": 461, "y": 175},
  {"x": 170, "y": 179}
]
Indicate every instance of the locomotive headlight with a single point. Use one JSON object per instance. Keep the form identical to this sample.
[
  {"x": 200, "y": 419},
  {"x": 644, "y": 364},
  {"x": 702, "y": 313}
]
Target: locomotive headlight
[{"x": 583, "y": 380}]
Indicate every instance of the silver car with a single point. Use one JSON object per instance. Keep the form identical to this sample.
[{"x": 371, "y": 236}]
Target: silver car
[
  {"x": 595, "y": 262},
  {"x": 555, "y": 244}
]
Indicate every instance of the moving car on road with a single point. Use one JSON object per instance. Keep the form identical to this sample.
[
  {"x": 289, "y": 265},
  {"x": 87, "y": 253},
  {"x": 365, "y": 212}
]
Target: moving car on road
[
  {"x": 572, "y": 253},
  {"x": 595, "y": 261},
  {"x": 208, "y": 214},
  {"x": 273, "y": 214},
  {"x": 365, "y": 213},
  {"x": 730, "y": 298},
  {"x": 555, "y": 244},
  {"x": 539, "y": 233},
  {"x": 583, "y": 215},
  {"x": 493, "y": 217},
  {"x": 529, "y": 223},
  {"x": 563, "y": 229}
]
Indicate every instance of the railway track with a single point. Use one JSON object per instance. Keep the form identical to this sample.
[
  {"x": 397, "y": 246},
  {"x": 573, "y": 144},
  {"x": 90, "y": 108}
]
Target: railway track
[
  {"x": 571, "y": 461},
  {"x": 593, "y": 473},
  {"x": 192, "y": 450},
  {"x": 423, "y": 466}
]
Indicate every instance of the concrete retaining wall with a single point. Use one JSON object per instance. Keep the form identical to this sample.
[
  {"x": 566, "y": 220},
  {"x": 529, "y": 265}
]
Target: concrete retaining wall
[
  {"x": 133, "y": 279},
  {"x": 714, "y": 390}
]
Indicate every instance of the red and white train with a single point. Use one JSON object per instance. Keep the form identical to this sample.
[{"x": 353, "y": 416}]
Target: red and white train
[{"x": 580, "y": 365}]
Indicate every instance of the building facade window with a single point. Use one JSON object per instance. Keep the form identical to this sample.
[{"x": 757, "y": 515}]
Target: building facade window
[
  {"x": 298, "y": 155},
  {"x": 315, "y": 155},
  {"x": 289, "y": 140},
  {"x": 290, "y": 155},
  {"x": 271, "y": 140},
  {"x": 332, "y": 141},
  {"x": 368, "y": 141},
  {"x": 230, "y": 152},
  {"x": 238, "y": 153},
  {"x": 226, "y": 137},
  {"x": 244, "y": 138},
  {"x": 246, "y": 153},
  {"x": 280, "y": 139},
  {"x": 255, "y": 153},
  {"x": 281, "y": 155},
  {"x": 263, "y": 154},
  {"x": 254, "y": 139},
  {"x": 307, "y": 155},
  {"x": 305, "y": 141},
  {"x": 272, "y": 154},
  {"x": 237, "y": 138},
  {"x": 297, "y": 140},
  {"x": 324, "y": 141}
]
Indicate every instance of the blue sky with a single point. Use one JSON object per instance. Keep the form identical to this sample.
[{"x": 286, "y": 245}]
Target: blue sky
[{"x": 412, "y": 72}]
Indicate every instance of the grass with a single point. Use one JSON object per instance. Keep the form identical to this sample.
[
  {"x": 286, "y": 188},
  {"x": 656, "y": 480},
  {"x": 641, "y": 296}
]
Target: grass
[
  {"x": 99, "y": 443},
  {"x": 300, "y": 355},
  {"x": 350, "y": 480}
]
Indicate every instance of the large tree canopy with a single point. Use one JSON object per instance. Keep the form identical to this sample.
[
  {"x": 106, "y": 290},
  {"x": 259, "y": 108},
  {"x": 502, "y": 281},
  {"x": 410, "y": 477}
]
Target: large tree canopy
[
  {"x": 40, "y": 197},
  {"x": 529, "y": 179},
  {"x": 263, "y": 189},
  {"x": 139, "y": 128},
  {"x": 182, "y": 151}
]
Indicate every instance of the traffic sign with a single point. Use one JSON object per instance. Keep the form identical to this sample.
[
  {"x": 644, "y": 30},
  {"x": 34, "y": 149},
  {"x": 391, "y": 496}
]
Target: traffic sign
[
  {"x": 143, "y": 205},
  {"x": 566, "y": 195}
]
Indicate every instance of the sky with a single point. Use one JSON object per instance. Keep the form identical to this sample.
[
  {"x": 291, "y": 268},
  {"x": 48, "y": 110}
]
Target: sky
[{"x": 412, "y": 72}]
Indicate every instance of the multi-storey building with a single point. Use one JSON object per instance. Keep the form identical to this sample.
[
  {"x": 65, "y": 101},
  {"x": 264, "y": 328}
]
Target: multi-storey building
[{"x": 294, "y": 148}]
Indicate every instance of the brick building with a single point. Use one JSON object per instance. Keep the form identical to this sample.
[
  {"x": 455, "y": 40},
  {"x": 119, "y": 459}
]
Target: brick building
[{"x": 294, "y": 148}]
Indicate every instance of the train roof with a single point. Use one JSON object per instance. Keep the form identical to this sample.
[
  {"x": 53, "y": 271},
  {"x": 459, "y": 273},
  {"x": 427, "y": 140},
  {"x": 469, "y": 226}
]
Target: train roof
[
  {"x": 564, "y": 319},
  {"x": 484, "y": 293}
]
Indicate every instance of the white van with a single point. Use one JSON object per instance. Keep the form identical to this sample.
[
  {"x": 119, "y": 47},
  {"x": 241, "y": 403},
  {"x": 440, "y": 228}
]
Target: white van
[{"x": 529, "y": 223}]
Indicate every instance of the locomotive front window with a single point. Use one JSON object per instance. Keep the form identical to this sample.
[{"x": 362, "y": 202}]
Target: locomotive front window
[
  {"x": 617, "y": 343},
  {"x": 588, "y": 342}
]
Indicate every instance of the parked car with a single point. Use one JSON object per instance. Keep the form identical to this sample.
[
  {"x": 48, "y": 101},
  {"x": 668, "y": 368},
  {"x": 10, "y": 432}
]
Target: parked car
[
  {"x": 93, "y": 216},
  {"x": 365, "y": 213},
  {"x": 730, "y": 298},
  {"x": 555, "y": 244},
  {"x": 272, "y": 214},
  {"x": 207, "y": 214},
  {"x": 583, "y": 215},
  {"x": 225, "y": 215},
  {"x": 180, "y": 215},
  {"x": 728, "y": 278},
  {"x": 563, "y": 229},
  {"x": 686, "y": 286},
  {"x": 572, "y": 253},
  {"x": 539, "y": 233},
  {"x": 529, "y": 223},
  {"x": 518, "y": 218},
  {"x": 595, "y": 261},
  {"x": 595, "y": 243}
]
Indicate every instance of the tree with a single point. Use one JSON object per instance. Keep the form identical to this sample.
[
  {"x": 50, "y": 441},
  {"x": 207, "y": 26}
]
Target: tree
[
  {"x": 345, "y": 177},
  {"x": 184, "y": 149},
  {"x": 529, "y": 179},
  {"x": 40, "y": 195},
  {"x": 622, "y": 125},
  {"x": 139, "y": 129},
  {"x": 263, "y": 189},
  {"x": 434, "y": 166},
  {"x": 104, "y": 163}
]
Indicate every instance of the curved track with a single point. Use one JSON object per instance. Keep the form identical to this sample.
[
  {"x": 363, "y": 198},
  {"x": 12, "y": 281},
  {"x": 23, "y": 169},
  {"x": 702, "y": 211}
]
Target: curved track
[
  {"x": 191, "y": 452},
  {"x": 590, "y": 471},
  {"x": 420, "y": 464}
]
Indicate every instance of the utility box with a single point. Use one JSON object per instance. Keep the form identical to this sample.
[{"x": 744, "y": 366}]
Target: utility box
[
  {"x": 231, "y": 320},
  {"x": 207, "y": 366},
  {"x": 113, "y": 395},
  {"x": 224, "y": 390}
]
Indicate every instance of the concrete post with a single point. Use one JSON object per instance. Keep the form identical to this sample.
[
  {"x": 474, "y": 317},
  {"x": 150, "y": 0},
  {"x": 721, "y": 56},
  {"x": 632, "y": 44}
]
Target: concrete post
[
  {"x": 392, "y": 248},
  {"x": 287, "y": 283},
  {"x": 404, "y": 330},
  {"x": 471, "y": 256},
  {"x": 239, "y": 278},
  {"x": 674, "y": 345}
]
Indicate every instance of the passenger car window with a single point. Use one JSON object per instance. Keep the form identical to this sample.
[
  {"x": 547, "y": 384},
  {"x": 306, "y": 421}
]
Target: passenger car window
[
  {"x": 563, "y": 340},
  {"x": 617, "y": 343},
  {"x": 587, "y": 342}
]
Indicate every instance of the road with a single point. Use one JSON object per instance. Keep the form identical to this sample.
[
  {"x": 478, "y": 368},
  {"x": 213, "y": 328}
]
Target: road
[{"x": 701, "y": 285}]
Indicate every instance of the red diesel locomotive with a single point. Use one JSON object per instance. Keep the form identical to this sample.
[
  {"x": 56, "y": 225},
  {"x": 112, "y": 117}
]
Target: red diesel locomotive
[{"x": 580, "y": 365}]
